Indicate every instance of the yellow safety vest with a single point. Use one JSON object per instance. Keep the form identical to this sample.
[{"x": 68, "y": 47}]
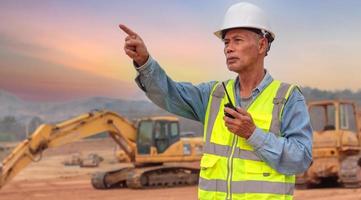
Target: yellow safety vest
[{"x": 230, "y": 169}]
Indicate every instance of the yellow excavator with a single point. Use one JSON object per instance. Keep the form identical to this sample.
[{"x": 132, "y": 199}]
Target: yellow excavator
[{"x": 155, "y": 140}]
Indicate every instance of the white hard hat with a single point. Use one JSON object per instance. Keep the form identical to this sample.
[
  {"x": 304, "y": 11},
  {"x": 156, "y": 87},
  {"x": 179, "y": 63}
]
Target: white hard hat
[{"x": 245, "y": 15}]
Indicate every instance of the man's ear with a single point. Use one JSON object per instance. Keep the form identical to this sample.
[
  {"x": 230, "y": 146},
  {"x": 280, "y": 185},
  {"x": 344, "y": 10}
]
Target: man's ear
[{"x": 263, "y": 45}]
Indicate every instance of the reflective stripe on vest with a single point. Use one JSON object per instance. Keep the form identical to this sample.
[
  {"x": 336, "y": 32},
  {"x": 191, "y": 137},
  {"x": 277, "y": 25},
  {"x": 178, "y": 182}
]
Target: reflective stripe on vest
[
  {"x": 247, "y": 186},
  {"x": 230, "y": 167}
]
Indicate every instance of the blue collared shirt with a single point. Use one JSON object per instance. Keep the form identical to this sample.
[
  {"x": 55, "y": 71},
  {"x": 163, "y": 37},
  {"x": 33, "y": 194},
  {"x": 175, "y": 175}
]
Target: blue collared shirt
[{"x": 290, "y": 154}]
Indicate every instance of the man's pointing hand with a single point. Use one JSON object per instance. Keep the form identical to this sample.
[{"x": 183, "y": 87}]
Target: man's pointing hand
[{"x": 134, "y": 46}]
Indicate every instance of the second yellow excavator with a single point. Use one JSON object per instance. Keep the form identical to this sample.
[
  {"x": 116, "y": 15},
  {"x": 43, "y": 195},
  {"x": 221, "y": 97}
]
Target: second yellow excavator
[{"x": 155, "y": 140}]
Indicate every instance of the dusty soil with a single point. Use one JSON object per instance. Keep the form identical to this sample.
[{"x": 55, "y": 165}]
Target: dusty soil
[{"x": 50, "y": 179}]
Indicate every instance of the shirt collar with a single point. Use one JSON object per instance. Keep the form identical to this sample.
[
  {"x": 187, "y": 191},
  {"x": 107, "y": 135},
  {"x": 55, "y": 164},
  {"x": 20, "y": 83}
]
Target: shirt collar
[{"x": 267, "y": 79}]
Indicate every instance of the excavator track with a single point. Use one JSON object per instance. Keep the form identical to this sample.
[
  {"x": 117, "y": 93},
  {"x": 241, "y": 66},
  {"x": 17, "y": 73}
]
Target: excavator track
[
  {"x": 350, "y": 172},
  {"x": 146, "y": 177},
  {"x": 111, "y": 179}
]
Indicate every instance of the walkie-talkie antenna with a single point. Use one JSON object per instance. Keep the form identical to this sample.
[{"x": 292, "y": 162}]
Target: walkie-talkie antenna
[{"x": 229, "y": 99}]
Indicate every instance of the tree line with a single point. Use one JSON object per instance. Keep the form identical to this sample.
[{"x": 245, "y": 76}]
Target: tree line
[{"x": 12, "y": 129}]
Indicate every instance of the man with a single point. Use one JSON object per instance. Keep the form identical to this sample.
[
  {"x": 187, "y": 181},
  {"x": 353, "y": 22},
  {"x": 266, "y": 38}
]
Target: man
[{"x": 252, "y": 151}]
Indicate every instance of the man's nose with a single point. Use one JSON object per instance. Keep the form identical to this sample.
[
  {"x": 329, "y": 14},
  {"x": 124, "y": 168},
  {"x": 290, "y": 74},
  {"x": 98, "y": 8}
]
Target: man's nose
[{"x": 229, "y": 48}]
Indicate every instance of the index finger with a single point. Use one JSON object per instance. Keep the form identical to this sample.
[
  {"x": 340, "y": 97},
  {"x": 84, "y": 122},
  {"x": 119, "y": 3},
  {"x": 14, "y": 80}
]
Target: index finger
[
  {"x": 239, "y": 114},
  {"x": 242, "y": 111},
  {"x": 127, "y": 30}
]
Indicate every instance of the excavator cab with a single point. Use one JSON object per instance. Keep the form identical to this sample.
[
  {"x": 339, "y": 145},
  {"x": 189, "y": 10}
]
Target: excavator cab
[
  {"x": 333, "y": 115},
  {"x": 160, "y": 133}
]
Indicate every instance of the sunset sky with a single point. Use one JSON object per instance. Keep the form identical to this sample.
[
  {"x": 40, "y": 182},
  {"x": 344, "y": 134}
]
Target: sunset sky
[{"x": 62, "y": 50}]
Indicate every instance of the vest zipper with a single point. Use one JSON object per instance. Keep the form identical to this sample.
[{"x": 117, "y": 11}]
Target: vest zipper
[
  {"x": 230, "y": 167},
  {"x": 230, "y": 159}
]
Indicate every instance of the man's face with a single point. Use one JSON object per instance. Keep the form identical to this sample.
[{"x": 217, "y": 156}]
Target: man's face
[{"x": 241, "y": 49}]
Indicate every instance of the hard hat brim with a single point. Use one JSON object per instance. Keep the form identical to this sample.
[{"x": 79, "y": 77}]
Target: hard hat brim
[{"x": 219, "y": 32}]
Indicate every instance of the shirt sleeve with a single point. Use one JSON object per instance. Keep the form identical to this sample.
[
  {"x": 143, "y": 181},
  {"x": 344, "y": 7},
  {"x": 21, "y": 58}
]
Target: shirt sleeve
[
  {"x": 180, "y": 98},
  {"x": 292, "y": 153}
]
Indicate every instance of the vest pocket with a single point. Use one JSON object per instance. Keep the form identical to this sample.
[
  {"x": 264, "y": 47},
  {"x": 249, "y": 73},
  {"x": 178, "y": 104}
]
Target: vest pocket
[
  {"x": 208, "y": 161},
  {"x": 213, "y": 167},
  {"x": 256, "y": 170}
]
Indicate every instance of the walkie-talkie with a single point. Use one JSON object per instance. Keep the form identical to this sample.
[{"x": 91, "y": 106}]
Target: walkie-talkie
[{"x": 229, "y": 104}]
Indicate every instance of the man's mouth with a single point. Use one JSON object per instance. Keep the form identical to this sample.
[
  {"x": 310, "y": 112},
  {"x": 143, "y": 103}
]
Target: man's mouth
[{"x": 231, "y": 59}]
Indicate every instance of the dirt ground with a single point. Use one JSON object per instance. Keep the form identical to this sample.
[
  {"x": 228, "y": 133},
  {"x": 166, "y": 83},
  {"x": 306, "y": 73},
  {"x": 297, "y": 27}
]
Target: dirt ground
[{"x": 50, "y": 179}]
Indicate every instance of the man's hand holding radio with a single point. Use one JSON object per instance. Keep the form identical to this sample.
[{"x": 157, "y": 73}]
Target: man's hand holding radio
[{"x": 242, "y": 124}]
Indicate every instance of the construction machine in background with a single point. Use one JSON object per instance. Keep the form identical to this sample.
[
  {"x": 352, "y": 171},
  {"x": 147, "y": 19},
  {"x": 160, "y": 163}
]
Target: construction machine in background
[
  {"x": 336, "y": 145},
  {"x": 91, "y": 160},
  {"x": 155, "y": 141}
]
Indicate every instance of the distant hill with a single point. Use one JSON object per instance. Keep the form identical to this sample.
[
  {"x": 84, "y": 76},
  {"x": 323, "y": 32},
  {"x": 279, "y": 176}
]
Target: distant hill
[
  {"x": 25, "y": 111},
  {"x": 312, "y": 94},
  {"x": 17, "y": 115}
]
